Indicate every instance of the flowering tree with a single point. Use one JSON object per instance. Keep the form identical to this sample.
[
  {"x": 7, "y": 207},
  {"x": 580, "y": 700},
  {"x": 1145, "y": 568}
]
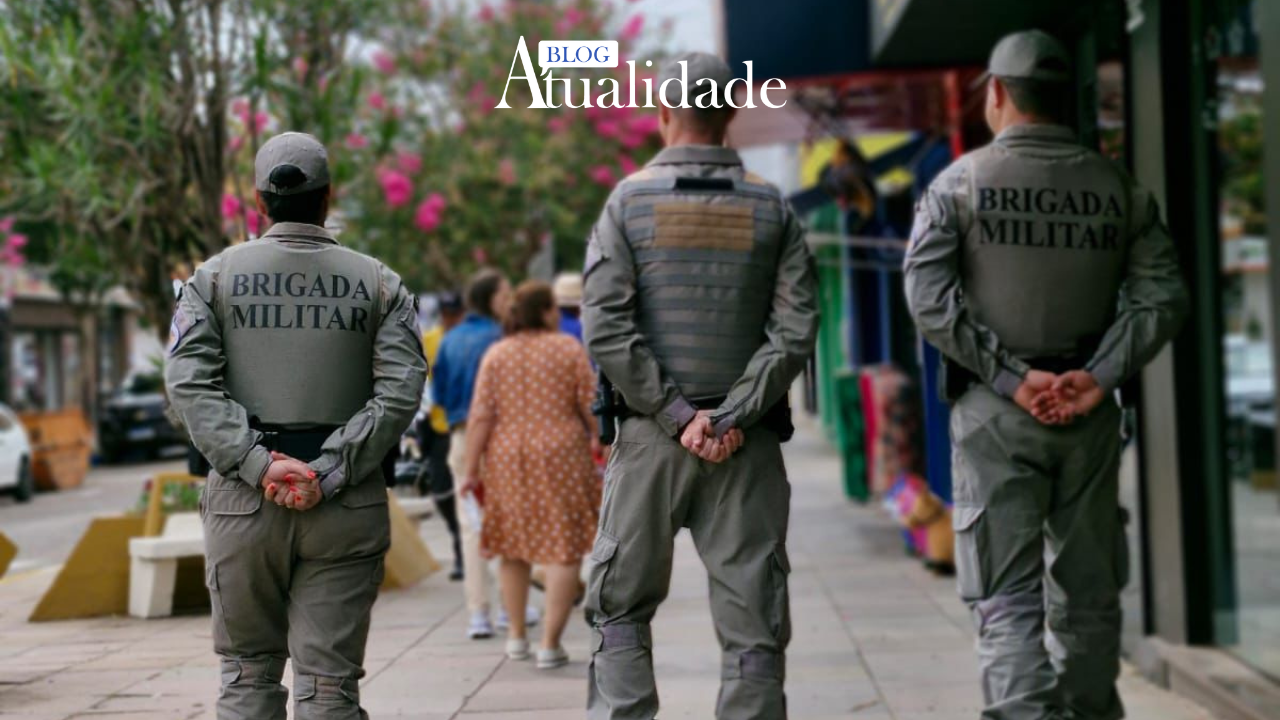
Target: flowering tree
[
  {"x": 128, "y": 154},
  {"x": 430, "y": 177}
]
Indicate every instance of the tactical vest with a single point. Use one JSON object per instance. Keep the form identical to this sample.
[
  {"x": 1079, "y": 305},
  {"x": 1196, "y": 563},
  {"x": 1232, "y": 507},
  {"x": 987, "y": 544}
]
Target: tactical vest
[
  {"x": 1045, "y": 246},
  {"x": 298, "y": 325},
  {"x": 706, "y": 251}
]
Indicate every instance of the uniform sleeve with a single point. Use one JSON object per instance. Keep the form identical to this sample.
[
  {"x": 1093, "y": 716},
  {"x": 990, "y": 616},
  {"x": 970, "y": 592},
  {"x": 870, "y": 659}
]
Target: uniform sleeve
[
  {"x": 193, "y": 373},
  {"x": 936, "y": 300},
  {"x": 354, "y": 452},
  {"x": 790, "y": 335},
  {"x": 586, "y": 382},
  {"x": 1153, "y": 301},
  {"x": 612, "y": 335}
]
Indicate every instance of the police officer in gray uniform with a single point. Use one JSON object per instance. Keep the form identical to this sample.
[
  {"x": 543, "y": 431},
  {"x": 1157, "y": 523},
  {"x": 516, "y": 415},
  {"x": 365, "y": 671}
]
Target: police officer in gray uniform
[
  {"x": 1045, "y": 276},
  {"x": 699, "y": 304},
  {"x": 296, "y": 365}
]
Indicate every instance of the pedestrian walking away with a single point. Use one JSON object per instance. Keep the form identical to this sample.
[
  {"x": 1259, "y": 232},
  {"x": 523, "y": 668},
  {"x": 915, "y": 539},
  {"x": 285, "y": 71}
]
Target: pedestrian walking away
[
  {"x": 1046, "y": 277},
  {"x": 453, "y": 381},
  {"x": 296, "y": 365},
  {"x": 530, "y": 435},
  {"x": 699, "y": 305},
  {"x": 433, "y": 431}
]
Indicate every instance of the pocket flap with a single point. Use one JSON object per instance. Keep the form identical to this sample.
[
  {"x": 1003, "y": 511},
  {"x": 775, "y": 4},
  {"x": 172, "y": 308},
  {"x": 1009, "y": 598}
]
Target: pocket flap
[
  {"x": 233, "y": 501},
  {"x": 780, "y": 554},
  {"x": 964, "y": 517},
  {"x": 605, "y": 548}
]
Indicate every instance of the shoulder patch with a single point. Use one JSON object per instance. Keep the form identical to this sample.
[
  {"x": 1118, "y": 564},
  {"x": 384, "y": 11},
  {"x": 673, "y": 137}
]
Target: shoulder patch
[{"x": 179, "y": 327}]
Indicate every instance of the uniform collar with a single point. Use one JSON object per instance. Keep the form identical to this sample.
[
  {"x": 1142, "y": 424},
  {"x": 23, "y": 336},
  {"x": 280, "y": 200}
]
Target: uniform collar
[
  {"x": 294, "y": 231},
  {"x": 1036, "y": 131},
  {"x": 697, "y": 154}
]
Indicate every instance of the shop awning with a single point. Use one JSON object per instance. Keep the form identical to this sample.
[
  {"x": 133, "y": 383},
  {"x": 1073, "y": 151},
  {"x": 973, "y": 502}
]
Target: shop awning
[
  {"x": 953, "y": 33},
  {"x": 799, "y": 38}
]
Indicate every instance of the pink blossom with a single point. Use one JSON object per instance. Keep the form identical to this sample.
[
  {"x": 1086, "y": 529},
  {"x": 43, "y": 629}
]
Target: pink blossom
[
  {"x": 646, "y": 124},
  {"x": 253, "y": 221},
  {"x": 231, "y": 206},
  {"x": 240, "y": 108},
  {"x": 397, "y": 189},
  {"x": 377, "y": 101},
  {"x": 12, "y": 258},
  {"x": 435, "y": 200},
  {"x": 627, "y": 164},
  {"x": 602, "y": 175},
  {"x": 608, "y": 129},
  {"x": 356, "y": 141},
  {"x": 384, "y": 62},
  {"x": 572, "y": 17},
  {"x": 323, "y": 84},
  {"x": 427, "y": 216},
  {"x": 15, "y": 242},
  {"x": 632, "y": 141},
  {"x": 486, "y": 14},
  {"x": 409, "y": 163},
  {"x": 257, "y": 124},
  {"x": 558, "y": 124},
  {"x": 507, "y": 172},
  {"x": 300, "y": 67},
  {"x": 593, "y": 113},
  {"x": 632, "y": 29},
  {"x": 6, "y": 224},
  {"x": 235, "y": 143},
  {"x": 480, "y": 256}
]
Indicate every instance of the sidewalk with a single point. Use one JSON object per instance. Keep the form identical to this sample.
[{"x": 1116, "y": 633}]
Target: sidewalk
[{"x": 876, "y": 638}]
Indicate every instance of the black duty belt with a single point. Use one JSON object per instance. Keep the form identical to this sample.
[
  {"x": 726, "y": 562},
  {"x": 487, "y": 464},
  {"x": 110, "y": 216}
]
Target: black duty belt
[
  {"x": 304, "y": 444},
  {"x": 777, "y": 419},
  {"x": 1058, "y": 364}
]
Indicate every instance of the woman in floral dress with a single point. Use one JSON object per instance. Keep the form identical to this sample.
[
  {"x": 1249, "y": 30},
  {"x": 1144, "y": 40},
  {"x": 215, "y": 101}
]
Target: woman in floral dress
[{"x": 529, "y": 435}]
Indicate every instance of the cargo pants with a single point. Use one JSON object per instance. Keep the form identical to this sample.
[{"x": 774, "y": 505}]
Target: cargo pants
[
  {"x": 737, "y": 513},
  {"x": 1040, "y": 543},
  {"x": 288, "y": 584}
]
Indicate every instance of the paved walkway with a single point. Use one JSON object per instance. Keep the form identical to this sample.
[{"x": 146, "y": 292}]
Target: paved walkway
[{"x": 876, "y": 638}]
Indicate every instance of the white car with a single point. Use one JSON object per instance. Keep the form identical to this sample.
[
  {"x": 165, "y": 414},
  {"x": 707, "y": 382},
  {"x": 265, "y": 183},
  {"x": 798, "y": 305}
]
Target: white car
[{"x": 15, "y": 457}]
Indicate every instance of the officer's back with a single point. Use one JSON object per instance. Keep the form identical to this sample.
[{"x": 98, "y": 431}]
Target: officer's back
[{"x": 295, "y": 364}]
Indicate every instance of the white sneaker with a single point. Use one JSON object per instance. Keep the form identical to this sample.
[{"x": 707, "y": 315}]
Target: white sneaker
[
  {"x": 480, "y": 628},
  {"x": 551, "y": 659},
  {"x": 518, "y": 649},
  {"x": 532, "y": 616}
]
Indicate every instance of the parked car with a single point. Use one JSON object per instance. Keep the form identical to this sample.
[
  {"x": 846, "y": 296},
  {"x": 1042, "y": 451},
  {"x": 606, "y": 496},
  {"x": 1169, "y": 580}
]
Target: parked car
[
  {"x": 133, "y": 420},
  {"x": 15, "y": 457}
]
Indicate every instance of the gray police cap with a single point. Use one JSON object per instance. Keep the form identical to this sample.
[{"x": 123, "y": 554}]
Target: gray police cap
[
  {"x": 1029, "y": 55},
  {"x": 702, "y": 66},
  {"x": 295, "y": 149}
]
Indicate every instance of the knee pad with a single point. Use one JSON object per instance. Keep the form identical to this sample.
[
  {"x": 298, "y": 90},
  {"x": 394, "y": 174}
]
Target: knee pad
[
  {"x": 263, "y": 670},
  {"x": 621, "y": 636},
  {"x": 1018, "y": 617},
  {"x": 326, "y": 690},
  {"x": 753, "y": 665}
]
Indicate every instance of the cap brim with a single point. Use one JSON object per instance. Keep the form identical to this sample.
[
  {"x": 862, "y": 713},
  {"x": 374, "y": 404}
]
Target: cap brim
[{"x": 979, "y": 81}]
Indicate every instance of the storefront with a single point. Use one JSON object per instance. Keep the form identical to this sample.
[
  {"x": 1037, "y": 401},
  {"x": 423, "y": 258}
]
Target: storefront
[{"x": 1177, "y": 91}]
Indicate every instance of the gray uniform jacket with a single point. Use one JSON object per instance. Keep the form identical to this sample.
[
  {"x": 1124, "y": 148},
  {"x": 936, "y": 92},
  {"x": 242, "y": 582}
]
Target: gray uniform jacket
[
  {"x": 699, "y": 286},
  {"x": 1035, "y": 247},
  {"x": 297, "y": 331}
]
